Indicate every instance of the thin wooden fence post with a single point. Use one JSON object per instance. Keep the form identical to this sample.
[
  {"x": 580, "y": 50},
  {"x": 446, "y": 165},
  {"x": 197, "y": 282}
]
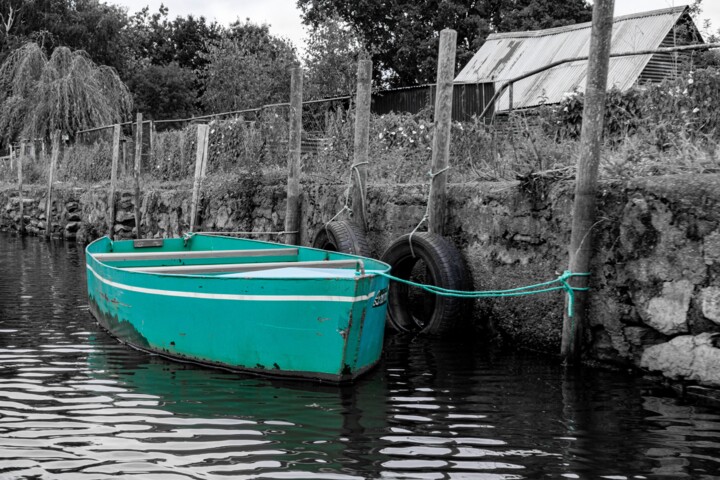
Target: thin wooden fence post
[
  {"x": 441, "y": 140},
  {"x": 206, "y": 154},
  {"x": 51, "y": 179},
  {"x": 136, "y": 172},
  {"x": 200, "y": 166},
  {"x": 113, "y": 181},
  {"x": 151, "y": 153},
  {"x": 292, "y": 214},
  {"x": 21, "y": 206},
  {"x": 362, "y": 138},
  {"x": 587, "y": 171},
  {"x": 511, "y": 87},
  {"x": 124, "y": 158}
]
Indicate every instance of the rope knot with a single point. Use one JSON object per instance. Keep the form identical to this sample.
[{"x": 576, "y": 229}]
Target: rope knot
[{"x": 563, "y": 279}]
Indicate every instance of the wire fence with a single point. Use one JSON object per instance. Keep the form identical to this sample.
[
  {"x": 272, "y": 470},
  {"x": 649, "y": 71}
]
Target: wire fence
[{"x": 652, "y": 130}]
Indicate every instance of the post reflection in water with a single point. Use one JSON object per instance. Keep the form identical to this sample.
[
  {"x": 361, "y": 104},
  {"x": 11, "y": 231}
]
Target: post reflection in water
[{"x": 74, "y": 403}]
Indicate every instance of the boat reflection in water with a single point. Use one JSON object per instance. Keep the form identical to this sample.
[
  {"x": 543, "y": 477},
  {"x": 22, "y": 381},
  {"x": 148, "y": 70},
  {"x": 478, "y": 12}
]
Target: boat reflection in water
[{"x": 207, "y": 421}]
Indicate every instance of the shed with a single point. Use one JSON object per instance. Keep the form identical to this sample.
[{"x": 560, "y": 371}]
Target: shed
[
  {"x": 505, "y": 56},
  {"x": 468, "y": 99}
]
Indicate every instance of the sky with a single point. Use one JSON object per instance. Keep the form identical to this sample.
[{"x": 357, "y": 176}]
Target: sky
[{"x": 283, "y": 16}]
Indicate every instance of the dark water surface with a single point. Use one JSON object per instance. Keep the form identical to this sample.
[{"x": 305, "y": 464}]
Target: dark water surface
[{"x": 75, "y": 404}]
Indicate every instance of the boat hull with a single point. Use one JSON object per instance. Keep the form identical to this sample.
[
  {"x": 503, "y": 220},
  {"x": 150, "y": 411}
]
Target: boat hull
[{"x": 327, "y": 329}]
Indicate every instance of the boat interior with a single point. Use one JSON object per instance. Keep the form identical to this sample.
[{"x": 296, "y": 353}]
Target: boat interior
[{"x": 226, "y": 256}]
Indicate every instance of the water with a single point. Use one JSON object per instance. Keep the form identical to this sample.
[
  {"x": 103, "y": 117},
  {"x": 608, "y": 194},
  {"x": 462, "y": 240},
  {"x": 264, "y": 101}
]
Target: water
[{"x": 75, "y": 404}]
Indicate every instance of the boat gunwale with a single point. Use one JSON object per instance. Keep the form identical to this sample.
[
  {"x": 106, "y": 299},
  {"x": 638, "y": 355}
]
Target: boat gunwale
[{"x": 373, "y": 272}]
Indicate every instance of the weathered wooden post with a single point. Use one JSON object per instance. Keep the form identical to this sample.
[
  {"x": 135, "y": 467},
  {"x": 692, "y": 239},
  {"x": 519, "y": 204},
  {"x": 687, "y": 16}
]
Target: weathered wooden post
[
  {"x": 51, "y": 179},
  {"x": 136, "y": 171},
  {"x": 113, "y": 180},
  {"x": 510, "y": 96},
  {"x": 441, "y": 140},
  {"x": 292, "y": 213},
  {"x": 586, "y": 179},
  {"x": 151, "y": 153},
  {"x": 362, "y": 138},
  {"x": 124, "y": 158},
  {"x": 21, "y": 227},
  {"x": 200, "y": 167}
]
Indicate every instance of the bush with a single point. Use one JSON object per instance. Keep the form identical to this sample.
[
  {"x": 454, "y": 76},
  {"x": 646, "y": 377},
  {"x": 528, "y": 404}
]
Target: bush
[
  {"x": 249, "y": 146},
  {"x": 174, "y": 154},
  {"x": 81, "y": 163}
]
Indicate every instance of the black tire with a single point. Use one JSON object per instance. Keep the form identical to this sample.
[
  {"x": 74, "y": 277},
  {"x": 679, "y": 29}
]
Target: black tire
[
  {"x": 444, "y": 267},
  {"x": 343, "y": 237}
]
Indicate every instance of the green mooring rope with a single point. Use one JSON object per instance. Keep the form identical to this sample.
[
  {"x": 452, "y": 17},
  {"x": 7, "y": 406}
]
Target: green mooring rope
[{"x": 513, "y": 292}]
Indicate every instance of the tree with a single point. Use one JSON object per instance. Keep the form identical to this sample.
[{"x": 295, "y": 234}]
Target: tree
[
  {"x": 164, "y": 91},
  {"x": 169, "y": 57},
  {"x": 67, "y": 92},
  {"x": 540, "y": 14},
  {"x": 402, "y": 36},
  {"x": 247, "y": 68},
  {"x": 155, "y": 39},
  {"x": 78, "y": 24},
  {"x": 331, "y": 60}
]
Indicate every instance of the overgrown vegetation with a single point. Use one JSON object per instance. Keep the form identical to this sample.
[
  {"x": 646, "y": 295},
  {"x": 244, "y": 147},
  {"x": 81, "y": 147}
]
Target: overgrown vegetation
[{"x": 671, "y": 127}]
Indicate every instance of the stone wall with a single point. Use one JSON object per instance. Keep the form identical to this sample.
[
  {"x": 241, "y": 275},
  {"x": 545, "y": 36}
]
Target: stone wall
[{"x": 655, "y": 275}]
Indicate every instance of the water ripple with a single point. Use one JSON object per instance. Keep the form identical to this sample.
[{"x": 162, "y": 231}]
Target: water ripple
[{"x": 76, "y": 404}]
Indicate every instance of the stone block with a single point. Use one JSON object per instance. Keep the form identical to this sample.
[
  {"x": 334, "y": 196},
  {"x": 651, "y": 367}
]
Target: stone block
[
  {"x": 125, "y": 216},
  {"x": 668, "y": 312},
  {"x": 711, "y": 245},
  {"x": 687, "y": 357},
  {"x": 710, "y": 300},
  {"x": 223, "y": 217}
]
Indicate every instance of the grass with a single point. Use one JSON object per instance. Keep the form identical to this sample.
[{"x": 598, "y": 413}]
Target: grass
[{"x": 656, "y": 130}]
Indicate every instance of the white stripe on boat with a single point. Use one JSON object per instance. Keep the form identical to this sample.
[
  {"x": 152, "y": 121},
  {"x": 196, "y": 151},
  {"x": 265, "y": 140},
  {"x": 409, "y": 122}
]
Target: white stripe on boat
[{"x": 229, "y": 296}]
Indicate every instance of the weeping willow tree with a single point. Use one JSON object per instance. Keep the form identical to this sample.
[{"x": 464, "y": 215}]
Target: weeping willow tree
[{"x": 66, "y": 91}]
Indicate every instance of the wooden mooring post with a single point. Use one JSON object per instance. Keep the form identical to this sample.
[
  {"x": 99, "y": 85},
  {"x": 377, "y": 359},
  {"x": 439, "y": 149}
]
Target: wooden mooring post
[
  {"x": 113, "y": 181},
  {"x": 292, "y": 213},
  {"x": 136, "y": 171},
  {"x": 362, "y": 139},
  {"x": 51, "y": 180},
  {"x": 201, "y": 156},
  {"x": 21, "y": 206},
  {"x": 441, "y": 141},
  {"x": 587, "y": 171}
]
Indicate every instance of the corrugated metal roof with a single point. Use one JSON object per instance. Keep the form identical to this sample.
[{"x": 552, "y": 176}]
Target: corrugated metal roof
[{"x": 507, "y": 55}]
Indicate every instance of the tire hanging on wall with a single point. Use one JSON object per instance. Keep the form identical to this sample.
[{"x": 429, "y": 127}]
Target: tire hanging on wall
[
  {"x": 444, "y": 267},
  {"x": 344, "y": 237}
]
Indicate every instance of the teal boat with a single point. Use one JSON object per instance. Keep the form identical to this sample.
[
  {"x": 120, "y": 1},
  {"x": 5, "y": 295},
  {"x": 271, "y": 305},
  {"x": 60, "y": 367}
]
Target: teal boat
[{"x": 242, "y": 304}]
